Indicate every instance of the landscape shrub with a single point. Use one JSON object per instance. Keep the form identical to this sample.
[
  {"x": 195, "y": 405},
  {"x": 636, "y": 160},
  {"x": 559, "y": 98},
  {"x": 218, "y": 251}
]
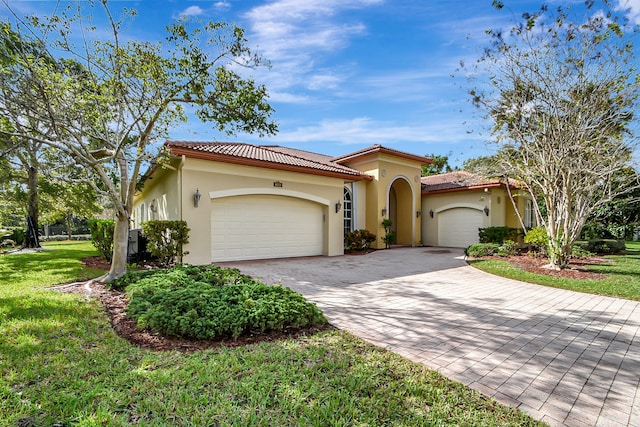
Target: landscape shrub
[
  {"x": 358, "y": 240},
  {"x": 482, "y": 249},
  {"x": 17, "y": 235},
  {"x": 102, "y": 236},
  {"x": 5, "y": 240},
  {"x": 213, "y": 303},
  {"x": 498, "y": 234},
  {"x": 61, "y": 238},
  {"x": 603, "y": 246},
  {"x": 166, "y": 239},
  {"x": 508, "y": 248},
  {"x": 578, "y": 251},
  {"x": 537, "y": 237},
  {"x": 389, "y": 237}
]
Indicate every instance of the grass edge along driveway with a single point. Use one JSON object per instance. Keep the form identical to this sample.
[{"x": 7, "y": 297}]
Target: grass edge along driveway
[
  {"x": 622, "y": 275},
  {"x": 62, "y": 364}
]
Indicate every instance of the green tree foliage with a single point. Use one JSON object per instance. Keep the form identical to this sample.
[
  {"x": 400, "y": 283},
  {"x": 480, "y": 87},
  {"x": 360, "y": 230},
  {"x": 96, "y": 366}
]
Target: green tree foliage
[
  {"x": 103, "y": 102},
  {"x": 102, "y": 236},
  {"x": 619, "y": 217},
  {"x": 561, "y": 96},
  {"x": 439, "y": 164},
  {"x": 166, "y": 239}
]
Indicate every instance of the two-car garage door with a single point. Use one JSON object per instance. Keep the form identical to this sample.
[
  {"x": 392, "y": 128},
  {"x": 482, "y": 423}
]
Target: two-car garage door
[
  {"x": 265, "y": 226},
  {"x": 458, "y": 227}
]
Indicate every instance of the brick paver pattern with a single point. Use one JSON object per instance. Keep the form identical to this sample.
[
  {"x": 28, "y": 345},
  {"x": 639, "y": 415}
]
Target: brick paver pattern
[{"x": 563, "y": 357}]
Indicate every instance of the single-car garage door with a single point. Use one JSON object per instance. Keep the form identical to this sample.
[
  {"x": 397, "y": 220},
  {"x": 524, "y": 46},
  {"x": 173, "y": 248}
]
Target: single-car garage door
[
  {"x": 264, "y": 226},
  {"x": 458, "y": 228}
]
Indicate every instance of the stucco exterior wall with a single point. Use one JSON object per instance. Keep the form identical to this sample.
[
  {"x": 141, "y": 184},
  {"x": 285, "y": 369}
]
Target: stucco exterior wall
[
  {"x": 501, "y": 210},
  {"x": 217, "y": 180},
  {"x": 163, "y": 190},
  {"x": 438, "y": 203},
  {"x": 385, "y": 170}
]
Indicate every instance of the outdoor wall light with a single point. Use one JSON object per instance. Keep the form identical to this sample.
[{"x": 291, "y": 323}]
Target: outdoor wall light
[
  {"x": 196, "y": 198},
  {"x": 431, "y": 213},
  {"x": 277, "y": 184},
  {"x": 418, "y": 213},
  {"x": 152, "y": 206},
  {"x": 486, "y": 211},
  {"x": 338, "y": 206},
  {"x": 384, "y": 211}
]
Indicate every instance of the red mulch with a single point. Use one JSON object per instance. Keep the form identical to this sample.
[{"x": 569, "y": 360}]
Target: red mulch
[
  {"x": 576, "y": 268},
  {"x": 115, "y": 304}
]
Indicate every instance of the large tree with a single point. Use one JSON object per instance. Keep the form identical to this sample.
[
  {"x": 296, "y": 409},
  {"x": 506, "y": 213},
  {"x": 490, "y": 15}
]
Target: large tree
[
  {"x": 104, "y": 102},
  {"x": 561, "y": 96}
]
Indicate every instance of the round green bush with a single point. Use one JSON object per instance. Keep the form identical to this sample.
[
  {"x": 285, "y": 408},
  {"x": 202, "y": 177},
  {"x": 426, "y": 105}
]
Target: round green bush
[
  {"x": 482, "y": 249},
  {"x": 192, "y": 302}
]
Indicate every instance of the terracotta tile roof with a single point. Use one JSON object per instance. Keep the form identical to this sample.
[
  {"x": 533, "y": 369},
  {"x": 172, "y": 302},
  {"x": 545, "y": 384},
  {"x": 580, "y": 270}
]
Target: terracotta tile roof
[
  {"x": 458, "y": 181},
  {"x": 266, "y": 156},
  {"x": 380, "y": 149}
]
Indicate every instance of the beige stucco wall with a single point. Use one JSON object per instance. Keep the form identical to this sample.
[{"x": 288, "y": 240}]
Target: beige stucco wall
[
  {"x": 385, "y": 170},
  {"x": 216, "y": 180},
  {"x": 501, "y": 210},
  {"x": 437, "y": 203},
  {"x": 163, "y": 189}
]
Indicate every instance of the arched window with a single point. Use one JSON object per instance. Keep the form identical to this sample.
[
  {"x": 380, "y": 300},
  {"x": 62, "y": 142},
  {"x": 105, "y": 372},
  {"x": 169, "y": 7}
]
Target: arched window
[
  {"x": 348, "y": 211},
  {"x": 529, "y": 214}
]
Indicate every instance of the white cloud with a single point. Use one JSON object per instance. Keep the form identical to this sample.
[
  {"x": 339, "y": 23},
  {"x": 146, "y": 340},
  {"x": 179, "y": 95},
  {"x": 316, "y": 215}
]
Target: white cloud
[
  {"x": 294, "y": 35},
  {"x": 363, "y": 130},
  {"x": 192, "y": 11},
  {"x": 222, "y": 5},
  {"x": 632, "y": 9}
]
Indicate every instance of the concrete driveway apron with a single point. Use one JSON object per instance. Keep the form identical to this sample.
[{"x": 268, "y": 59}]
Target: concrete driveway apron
[{"x": 564, "y": 357}]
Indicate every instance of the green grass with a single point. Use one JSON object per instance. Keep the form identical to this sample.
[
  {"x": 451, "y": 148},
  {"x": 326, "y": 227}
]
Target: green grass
[
  {"x": 62, "y": 364},
  {"x": 622, "y": 275}
]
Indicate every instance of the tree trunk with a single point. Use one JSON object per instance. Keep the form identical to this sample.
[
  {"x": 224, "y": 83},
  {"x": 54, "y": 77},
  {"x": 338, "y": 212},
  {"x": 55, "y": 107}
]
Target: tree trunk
[
  {"x": 67, "y": 221},
  {"x": 120, "y": 246},
  {"x": 31, "y": 239},
  {"x": 559, "y": 255}
]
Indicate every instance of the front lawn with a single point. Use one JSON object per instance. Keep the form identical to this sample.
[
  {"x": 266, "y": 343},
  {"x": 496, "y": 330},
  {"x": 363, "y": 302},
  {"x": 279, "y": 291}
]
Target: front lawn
[
  {"x": 62, "y": 364},
  {"x": 622, "y": 275}
]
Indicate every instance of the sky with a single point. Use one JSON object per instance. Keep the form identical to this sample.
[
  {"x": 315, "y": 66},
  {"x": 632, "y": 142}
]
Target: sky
[{"x": 347, "y": 74}]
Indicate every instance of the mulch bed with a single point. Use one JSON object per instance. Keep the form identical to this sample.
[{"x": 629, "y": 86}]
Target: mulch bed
[
  {"x": 115, "y": 304},
  {"x": 577, "y": 267}
]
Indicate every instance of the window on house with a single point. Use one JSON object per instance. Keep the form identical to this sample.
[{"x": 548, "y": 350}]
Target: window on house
[
  {"x": 143, "y": 211},
  {"x": 529, "y": 214},
  {"x": 348, "y": 211}
]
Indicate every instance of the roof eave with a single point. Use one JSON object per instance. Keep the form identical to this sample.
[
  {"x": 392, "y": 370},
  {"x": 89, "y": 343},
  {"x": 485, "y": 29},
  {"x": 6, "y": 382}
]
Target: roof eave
[
  {"x": 379, "y": 149},
  {"x": 264, "y": 164},
  {"x": 468, "y": 188}
]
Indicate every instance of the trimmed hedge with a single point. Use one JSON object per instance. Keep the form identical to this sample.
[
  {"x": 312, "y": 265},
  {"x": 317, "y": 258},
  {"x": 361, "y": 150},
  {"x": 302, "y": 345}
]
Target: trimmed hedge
[
  {"x": 498, "y": 234},
  {"x": 482, "y": 249},
  {"x": 166, "y": 239},
  {"x": 213, "y": 303},
  {"x": 603, "y": 246},
  {"x": 102, "y": 231},
  {"x": 507, "y": 248}
]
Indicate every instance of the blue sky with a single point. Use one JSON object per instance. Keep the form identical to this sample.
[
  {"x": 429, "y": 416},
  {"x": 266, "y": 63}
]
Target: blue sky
[{"x": 347, "y": 74}]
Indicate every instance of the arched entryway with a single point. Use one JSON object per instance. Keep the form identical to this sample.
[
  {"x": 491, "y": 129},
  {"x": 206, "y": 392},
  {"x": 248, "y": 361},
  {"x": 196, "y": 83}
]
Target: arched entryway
[{"x": 400, "y": 198}]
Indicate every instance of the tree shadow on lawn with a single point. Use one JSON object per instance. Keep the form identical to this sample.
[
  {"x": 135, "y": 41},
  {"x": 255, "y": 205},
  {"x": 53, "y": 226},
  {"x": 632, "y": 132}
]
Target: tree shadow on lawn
[{"x": 61, "y": 263}]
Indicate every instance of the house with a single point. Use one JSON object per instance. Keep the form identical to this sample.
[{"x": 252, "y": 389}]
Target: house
[
  {"x": 458, "y": 203},
  {"x": 244, "y": 201}
]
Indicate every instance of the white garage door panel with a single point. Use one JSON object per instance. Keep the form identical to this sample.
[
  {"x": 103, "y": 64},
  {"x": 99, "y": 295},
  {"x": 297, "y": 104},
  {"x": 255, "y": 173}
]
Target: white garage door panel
[
  {"x": 262, "y": 226},
  {"x": 458, "y": 228}
]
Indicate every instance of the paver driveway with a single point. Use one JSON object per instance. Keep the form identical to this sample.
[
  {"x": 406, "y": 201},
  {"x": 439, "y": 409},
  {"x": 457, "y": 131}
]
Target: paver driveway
[{"x": 564, "y": 357}]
